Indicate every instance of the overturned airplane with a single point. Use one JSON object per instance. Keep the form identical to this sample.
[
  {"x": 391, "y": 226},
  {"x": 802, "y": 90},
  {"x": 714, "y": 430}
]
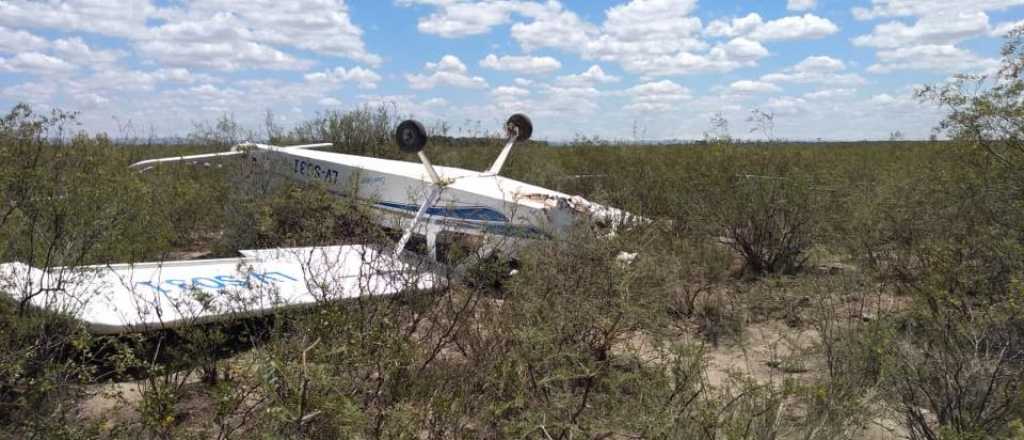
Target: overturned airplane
[{"x": 419, "y": 199}]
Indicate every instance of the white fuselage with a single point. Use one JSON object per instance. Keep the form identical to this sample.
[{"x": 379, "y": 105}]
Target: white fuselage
[{"x": 471, "y": 202}]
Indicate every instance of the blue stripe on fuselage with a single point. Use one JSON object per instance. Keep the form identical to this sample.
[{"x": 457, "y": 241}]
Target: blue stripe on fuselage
[
  {"x": 514, "y": 231},
  {"x": 476, "y": 213}
]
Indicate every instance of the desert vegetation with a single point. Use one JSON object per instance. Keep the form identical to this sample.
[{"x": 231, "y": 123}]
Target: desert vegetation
[{"x": 818, "y": 291}]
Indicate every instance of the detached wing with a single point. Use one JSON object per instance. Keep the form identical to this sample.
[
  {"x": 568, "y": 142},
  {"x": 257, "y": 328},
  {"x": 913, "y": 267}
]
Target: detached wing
[{"x": 127, "y": 298}]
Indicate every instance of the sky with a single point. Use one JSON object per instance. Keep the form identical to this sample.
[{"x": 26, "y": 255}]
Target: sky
[{"x": 639, "y": 70}]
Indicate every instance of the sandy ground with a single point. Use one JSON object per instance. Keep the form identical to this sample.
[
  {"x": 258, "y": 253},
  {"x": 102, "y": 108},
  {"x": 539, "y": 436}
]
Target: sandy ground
[{"x": 767, "y": 352}]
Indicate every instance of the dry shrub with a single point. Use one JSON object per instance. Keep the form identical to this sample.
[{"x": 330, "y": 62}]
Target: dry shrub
[{"x": 771, "y": 223}]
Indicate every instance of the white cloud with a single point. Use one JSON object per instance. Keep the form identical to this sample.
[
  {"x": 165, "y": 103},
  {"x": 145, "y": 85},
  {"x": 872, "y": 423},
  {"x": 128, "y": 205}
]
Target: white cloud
[
  {"x": 435, "y": 102},
  {"x": 179, "y": 43},
  {"x": 221, "y": 41},
  {"x": 408, "y": 105},
  {"x": 646, "y": 27},
  {"x": 816, "y": 69},
  {"x": 830, "y": 93},
  {"x": 943, "y": 28},
  {"x": 365, "y": 78},
  {"x": 210, "y": 94},
  {"x": 221, "y": 55},
  {"x": 35, "y": 62},
  {"x": 181, "y": 75},
  {"x": 748, "y": 87},
  {"x": 905, "y": 8},
  {"x": 575, "y": 92},
  {"x": 125, "y": 19},
  {"x": 13, "y": 41},
  {"x": 656, "y": 96},
  {"x": 545, "y": 102},
  {"x": 820, "y": 64},
  {"x": 550, "y": 26},
  {"x": 214, "y": 34},
  {"x": 786, "y": 105},
  {"x": 931, "y": 57},
  {"x": 929, "y": 44},
  {"x": 883, "y": 99},
  {"x": 557, "y": 102},
  {"x": 276, "y": 93},
  {"x": 752, "y": 26},
  {"x": 595, "y": 74},
  {"x": 738, "y": 52},
  {"x": 36, "y": 93},
  {"x": 113, "y": 80},
  {"x": 554, "y": 27},
  {"x": 507, "y": 92},
  {"x": 800, "y": 5},
  {"x": 76, "y": 51},
  {"x": 742, "y": 50},
  {"x": 87, "y": 101},
  {"x": 1002, "y": 29},
  {"x": 808, "y": 26},
  {"x": 448, "y": 71},
  {"x": 320, "y": 26},
  {"x": 646, "y": 37},
  {"x": 734, "y": 27},
  {"x": 521, "y": 64},
  {"x": 454, "y": 19},
  {"x": 329, "y": 102}
]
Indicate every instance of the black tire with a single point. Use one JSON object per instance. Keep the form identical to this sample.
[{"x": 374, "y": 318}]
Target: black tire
[
  {"x": 411, "y": 136},
  {"x": 521, "y": 122}
]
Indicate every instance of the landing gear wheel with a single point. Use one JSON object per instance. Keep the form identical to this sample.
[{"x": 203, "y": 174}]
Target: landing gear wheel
[
  {"x": 411, "y": 136},
  {"x": 522, "y": 123}
]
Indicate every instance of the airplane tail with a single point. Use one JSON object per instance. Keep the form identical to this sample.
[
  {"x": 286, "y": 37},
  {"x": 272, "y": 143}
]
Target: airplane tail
[
  {"x": 147, "y": 165},
  {"x": 237, "y": 150}
]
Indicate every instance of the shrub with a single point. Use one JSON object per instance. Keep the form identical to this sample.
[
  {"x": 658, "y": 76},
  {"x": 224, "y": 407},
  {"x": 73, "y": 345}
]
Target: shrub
[
  {"x": 959, "y": 378},
  {"x": 770, "y": 221},
  {"x": 63, "y": 206},
  {"x": 365, "y": 130},
  {"x": 985, "y": 112}
]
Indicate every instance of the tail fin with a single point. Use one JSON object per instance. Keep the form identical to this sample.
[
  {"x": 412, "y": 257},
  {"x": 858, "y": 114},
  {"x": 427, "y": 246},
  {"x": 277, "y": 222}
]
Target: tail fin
[
  {"x": 237, "y": 150},
  {"x": 308, "y": 146},
  {"x": 147, "y": 165}
]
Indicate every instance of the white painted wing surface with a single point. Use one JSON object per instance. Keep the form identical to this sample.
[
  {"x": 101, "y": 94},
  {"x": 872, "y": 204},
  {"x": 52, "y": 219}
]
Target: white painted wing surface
[{"x": 148, "y": 296}]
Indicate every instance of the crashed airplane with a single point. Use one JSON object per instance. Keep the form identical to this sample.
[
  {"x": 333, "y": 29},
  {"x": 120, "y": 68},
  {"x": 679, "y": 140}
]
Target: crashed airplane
[
  {"x": 427, "y": 198},
  {"x": 434, "y": 202}
]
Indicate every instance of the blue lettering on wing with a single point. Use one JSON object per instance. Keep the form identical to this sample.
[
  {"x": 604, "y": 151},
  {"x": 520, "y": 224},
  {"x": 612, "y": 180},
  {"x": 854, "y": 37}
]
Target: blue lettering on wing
[
  {"x": 208, "y": 283},
  {"x": 218, "y": 282},
  {"x": 231, "y": 281},
  {"x": 181, "y": 284},
  {"x": 281, "y": 275}
]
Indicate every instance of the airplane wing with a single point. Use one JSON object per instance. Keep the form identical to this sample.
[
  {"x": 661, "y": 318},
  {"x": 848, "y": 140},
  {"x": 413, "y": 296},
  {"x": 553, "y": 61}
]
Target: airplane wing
[{"x": 120, "y": 299}]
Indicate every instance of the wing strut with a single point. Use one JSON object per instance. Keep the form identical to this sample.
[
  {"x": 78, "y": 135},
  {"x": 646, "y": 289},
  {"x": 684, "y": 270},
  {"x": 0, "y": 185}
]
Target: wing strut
[
  {"x": 517, "y": 128},
  {"x": 435, "y": 193}
]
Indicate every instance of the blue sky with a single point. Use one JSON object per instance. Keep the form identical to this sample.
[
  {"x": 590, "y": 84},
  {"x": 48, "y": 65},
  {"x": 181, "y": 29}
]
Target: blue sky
[{"x": 653, "y": 69}]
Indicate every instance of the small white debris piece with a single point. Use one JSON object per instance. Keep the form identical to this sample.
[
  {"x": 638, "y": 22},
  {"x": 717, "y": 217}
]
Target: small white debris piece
[{"x": 626, "y": 258}]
